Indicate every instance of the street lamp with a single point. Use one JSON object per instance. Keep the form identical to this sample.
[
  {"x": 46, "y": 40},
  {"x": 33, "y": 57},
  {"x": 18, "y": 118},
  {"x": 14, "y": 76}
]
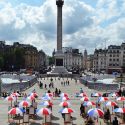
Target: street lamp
[
  {"x": 0, "y": 88},
  {"x": 121, "y": 76}
]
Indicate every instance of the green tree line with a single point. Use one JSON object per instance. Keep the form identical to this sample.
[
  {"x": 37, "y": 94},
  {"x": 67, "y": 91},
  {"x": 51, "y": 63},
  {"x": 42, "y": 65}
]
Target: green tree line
[{"x": 12, "y": 59}]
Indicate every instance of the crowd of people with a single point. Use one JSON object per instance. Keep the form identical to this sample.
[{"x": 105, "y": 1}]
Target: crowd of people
[
  {"x": 65, "y": 83},
  {"x": 50, "y": 86}
]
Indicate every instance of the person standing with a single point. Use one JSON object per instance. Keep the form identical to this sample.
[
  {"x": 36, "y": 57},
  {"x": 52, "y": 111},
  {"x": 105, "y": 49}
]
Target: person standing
[
  {"x": 49, "y": 85},
  {"x": 56, "y": 92},
  {"x": 45, "y": 86},
  {"x": 115, "y": 121},
  {"x": 61, "y": 83},
  {"x": 52, "y": 84},
  {"x": 41, "y": 85},
  {"x": 59, "y": 92},
  {"x": 82, "y": 110},
  {"x": 68, "y": 82},
  {"x": 81, "y": 90},
  {"x": 64, "y": 83}
]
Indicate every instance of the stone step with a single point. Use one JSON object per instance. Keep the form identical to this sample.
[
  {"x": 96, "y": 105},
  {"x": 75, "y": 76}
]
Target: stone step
[{"x": 59, "y": 70}]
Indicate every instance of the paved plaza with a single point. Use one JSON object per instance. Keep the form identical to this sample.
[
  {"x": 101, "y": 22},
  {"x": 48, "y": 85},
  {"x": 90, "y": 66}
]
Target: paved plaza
[{"x": 57, "y": 119}]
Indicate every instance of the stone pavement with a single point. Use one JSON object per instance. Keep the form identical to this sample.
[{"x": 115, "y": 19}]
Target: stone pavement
[{"x": 57, "y": 120}]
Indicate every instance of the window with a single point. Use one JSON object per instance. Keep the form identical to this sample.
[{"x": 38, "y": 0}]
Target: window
[
  {"x": 110, "y": 55},
  {"x": 117, "y": 59},
  {"x": 113, "y": 59},
  {"x": 110, "y": 59},
  {"x": 110, "y": 64}
]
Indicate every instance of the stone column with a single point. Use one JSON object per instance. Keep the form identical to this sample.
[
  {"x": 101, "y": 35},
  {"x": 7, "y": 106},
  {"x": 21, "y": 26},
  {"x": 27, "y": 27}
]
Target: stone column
[{"x": 59, "y": 4}]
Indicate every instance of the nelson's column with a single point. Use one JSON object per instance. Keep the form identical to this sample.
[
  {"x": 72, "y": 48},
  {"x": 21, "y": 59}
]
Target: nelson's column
[{"x": 59, "y": 55}]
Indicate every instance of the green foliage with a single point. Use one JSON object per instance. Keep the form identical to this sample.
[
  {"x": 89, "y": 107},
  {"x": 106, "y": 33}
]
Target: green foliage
[
  {"x": 51, "y": 60},
  {"x": 1, "y": 62},
  {"x": 19, "y": 57},
  {"x": 14, "y": 59}
]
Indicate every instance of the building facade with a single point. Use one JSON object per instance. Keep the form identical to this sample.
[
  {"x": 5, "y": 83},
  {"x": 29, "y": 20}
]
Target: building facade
[
  {"x": 30, "y": 55},
  {"x": 111, "y": 59},
  {"x": 89, "y": 62},
  {"x": 42, "y": 60},
  {"x": 72, "y": 58},
  {"x": 114, "y": 59}
]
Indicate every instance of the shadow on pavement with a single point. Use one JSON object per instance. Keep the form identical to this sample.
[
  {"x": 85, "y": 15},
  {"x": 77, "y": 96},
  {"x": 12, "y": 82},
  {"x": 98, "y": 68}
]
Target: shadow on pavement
[
  {"x": 35, "y": 124},
  {"x": 55, "y": 118},
  {"x": 55, "y": 124},
  {"x": 73, "y": 118},
  {"x": 38, "y": 118},
  {"x": 12, "y": 124}
]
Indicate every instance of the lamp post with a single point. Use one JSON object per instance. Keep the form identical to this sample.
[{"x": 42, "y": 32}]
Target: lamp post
[
  {"x": 0, "y": 88},
  {"x": 121, "y": 76}
]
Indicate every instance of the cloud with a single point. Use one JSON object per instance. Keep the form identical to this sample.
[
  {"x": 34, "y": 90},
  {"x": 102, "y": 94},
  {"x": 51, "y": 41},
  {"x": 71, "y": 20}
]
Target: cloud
[
  {"x": 84, "y": 25},
  {"x": 77, "y": 16}
]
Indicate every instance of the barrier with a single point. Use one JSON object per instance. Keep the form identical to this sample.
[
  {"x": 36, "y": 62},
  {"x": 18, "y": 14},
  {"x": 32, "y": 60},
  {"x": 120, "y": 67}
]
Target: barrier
[
  {"x": 99, "y": 86},
  {"x": 18, "y": 86}
]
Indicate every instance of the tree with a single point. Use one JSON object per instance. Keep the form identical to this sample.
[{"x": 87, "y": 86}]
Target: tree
[
  {"x": 14, "y": 59},
  {"x": 1, "y": 62},
  {"x": 19, "y": 58},
  {"x": 9, "y": 60},
  {"x": 51, "y": 60}
]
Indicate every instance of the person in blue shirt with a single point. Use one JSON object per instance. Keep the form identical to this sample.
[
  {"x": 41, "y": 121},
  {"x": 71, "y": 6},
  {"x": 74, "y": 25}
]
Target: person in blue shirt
[{"x": 81, "y": 90}]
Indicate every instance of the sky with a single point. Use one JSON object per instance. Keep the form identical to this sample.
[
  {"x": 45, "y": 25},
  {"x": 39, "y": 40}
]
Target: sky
[{"x": 87, "y": 24}]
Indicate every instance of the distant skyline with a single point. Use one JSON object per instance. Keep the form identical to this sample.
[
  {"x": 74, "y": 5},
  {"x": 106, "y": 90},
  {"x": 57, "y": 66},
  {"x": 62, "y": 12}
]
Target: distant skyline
[{"x": 87, "y": 24}]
